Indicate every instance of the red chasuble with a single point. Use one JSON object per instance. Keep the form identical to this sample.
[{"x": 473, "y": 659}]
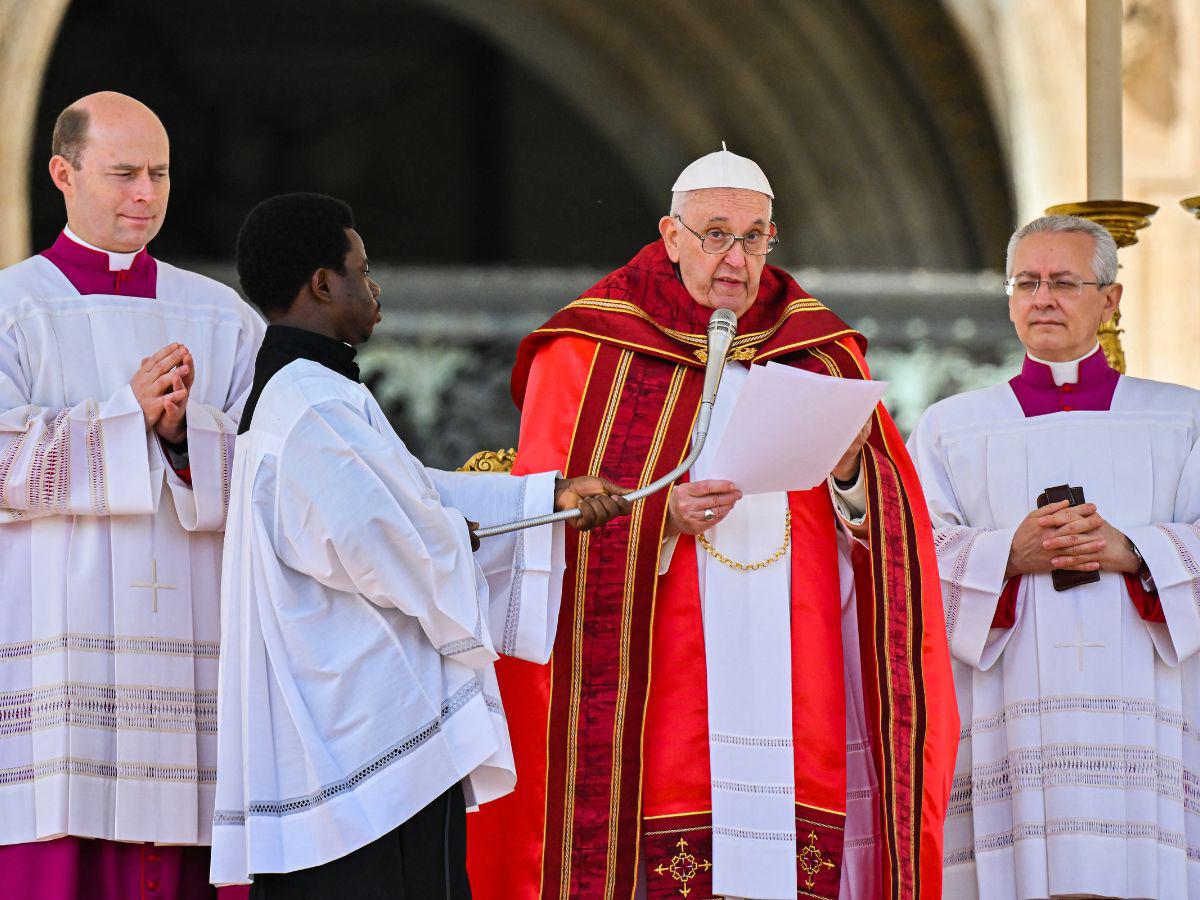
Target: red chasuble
[{"x": 611, "y": 738}]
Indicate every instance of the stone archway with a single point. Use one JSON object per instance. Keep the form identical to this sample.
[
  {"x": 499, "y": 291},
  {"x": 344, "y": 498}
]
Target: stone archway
[
  {"x": 27, "y": 32},
  {"x": 868, "y": 116}
]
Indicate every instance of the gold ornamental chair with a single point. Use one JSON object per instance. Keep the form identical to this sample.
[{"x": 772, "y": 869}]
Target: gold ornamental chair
[{"x": 490, "y": 461}]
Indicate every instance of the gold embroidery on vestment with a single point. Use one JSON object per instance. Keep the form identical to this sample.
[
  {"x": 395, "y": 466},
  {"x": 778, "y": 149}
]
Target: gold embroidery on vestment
[
  {"x": 812, "y": 860},
  {"x": 683, "y": 867},
  {"x": 744, "y": 354}
]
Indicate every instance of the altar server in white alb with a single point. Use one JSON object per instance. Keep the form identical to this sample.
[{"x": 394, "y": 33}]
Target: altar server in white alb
[
  {"x": 121, "y": 382},
  {"x": 1079, "y": 768},
  {"x": 359, "y": 628}
]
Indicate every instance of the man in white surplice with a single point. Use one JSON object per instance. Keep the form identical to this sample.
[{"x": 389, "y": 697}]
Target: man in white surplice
[
  {"x": 1078, "y": 769},
  {"x": 357, "y": 689},
  {"x": 121, "y": 382}
]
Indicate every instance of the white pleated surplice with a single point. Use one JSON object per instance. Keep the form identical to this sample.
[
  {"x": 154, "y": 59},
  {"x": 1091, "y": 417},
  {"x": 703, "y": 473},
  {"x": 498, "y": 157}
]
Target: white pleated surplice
[
  {"x": 359, "y": 629},
  {"x": 1079, "y": 766},
  {"x": 108, "y": 561}
]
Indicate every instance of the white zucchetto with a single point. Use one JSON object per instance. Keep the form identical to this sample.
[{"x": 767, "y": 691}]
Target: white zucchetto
[{"x": 723, "y": 169}]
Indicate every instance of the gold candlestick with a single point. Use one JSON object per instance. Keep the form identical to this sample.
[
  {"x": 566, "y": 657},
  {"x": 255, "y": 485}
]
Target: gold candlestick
[{"x": 1123, "y": 219}]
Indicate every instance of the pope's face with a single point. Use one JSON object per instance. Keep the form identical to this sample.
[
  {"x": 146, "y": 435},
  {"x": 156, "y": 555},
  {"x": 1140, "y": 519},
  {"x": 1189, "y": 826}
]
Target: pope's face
[
  {"x": 1058, "y": 325},
  {"x": 117, "y": 199},
  {"x": 355, "y": 295},
  {"x": 719, "y": 281}
]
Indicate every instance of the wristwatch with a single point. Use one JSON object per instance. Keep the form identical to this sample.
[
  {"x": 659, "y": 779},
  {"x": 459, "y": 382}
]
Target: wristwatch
[{"x": 1137, "y": 554}]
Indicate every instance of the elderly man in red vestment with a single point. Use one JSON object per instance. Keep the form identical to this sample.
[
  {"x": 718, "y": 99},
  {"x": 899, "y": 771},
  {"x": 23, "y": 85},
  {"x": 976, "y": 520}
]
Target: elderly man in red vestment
[{"x": 748, "y": 696}]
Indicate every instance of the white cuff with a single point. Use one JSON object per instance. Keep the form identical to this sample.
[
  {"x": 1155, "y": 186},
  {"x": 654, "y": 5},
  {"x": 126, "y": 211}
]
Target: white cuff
[
  {"x": 851, "y": 502},
  {"x": 666, "y": 553}
]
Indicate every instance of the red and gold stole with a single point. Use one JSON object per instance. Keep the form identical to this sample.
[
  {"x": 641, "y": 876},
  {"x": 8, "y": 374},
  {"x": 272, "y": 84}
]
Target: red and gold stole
[{"x": 619, "y": 753}]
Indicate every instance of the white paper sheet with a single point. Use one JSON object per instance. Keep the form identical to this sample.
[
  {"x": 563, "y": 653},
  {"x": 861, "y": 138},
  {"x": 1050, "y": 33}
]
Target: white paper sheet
[{"x": 790, "y": 428}]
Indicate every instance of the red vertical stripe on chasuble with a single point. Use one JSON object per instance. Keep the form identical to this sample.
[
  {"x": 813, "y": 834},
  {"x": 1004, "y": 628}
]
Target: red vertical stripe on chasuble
[
  {"x": 937, "y": 700},
  {"x": 597, "y": 411},
  {"x": 596, "y": 722},
  {"x": 676, "y": 779},
  {"x": 504, "y": 846},
  {"x": 893, "y": 654}
]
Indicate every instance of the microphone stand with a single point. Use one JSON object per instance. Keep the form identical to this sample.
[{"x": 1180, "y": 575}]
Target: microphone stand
[{"x": 722, "y": 327}]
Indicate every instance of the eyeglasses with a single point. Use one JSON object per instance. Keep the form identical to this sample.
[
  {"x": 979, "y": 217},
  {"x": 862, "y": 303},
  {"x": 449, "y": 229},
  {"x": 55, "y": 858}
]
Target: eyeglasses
[
  {"x": 1059, "y": 287},
  {"x": 717, "y": 242}
]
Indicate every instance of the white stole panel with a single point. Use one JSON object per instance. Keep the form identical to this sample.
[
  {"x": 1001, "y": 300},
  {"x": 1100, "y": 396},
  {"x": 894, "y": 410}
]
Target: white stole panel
[{"x": 747, "y": 641}]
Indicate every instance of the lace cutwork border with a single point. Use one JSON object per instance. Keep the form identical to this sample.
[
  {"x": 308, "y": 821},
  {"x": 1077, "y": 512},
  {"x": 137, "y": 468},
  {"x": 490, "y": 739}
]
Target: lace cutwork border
[
  {"x": 141, "y": 708},
  {"x": 94, "y": 441},
  {"x": 143, "y": 771},
  {"x": 106, "y": 643},
  {"x": 384, "y": 760},
  {"x": 944, "y": 540},
  {"x": 512, "y": 616},
  {"x": 1034, "y": 769},
  {"x": 1076, "y": 703}
]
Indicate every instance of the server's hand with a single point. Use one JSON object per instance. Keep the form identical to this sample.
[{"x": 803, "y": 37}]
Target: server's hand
[{"x": 597, "y": 499}]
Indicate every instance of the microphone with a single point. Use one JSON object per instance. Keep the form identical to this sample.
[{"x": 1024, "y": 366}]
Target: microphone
[{"x": 722, "y": 328}]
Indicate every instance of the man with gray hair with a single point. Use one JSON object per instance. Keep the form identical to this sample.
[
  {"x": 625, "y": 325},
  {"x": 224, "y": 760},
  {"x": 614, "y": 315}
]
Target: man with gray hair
[{"x": 1065, "y": 506}]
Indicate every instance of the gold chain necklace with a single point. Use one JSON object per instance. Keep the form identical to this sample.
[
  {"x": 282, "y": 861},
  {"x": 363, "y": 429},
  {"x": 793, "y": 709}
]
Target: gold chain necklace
[{"x": 751, "y": 567}]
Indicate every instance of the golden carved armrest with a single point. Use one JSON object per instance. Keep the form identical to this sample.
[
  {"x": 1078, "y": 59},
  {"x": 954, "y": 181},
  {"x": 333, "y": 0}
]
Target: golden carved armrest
[{"x": 490, "y": 461}]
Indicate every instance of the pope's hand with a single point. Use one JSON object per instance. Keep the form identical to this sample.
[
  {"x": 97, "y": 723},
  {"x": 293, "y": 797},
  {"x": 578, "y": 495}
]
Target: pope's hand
[
  {"x": 597, "y": 499},
  {"x": 697, "y": 506},
  {"x": 155, "y": 381},
  {"x": 847, "y": 469}
]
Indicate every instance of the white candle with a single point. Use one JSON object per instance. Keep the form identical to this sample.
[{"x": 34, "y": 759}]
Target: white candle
[{"x": 1104, "y": 19}]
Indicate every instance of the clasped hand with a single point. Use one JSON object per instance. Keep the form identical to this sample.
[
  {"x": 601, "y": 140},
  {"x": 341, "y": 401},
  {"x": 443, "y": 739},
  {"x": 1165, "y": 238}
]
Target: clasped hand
[
  {"x": 1077, "y": 538},
  {"x": 597, "y": 499},
  {"x": 161, "y": 385}
]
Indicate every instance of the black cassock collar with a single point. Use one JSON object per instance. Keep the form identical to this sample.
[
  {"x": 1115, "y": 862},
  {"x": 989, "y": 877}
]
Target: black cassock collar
[{"x": 283, "y": 344}]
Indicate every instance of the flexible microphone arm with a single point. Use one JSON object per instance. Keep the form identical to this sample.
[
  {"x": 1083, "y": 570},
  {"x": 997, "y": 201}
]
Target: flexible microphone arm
[{"x": 722, "y": 327}]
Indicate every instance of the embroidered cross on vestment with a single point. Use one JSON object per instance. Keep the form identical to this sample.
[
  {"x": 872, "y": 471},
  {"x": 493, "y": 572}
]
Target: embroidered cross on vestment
[
  {"x": 154, "y": 584},
  {"x": 1080, "y": 645}
]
